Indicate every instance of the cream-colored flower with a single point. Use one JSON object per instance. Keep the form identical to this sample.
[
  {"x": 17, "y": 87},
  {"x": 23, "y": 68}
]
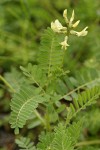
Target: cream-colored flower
[
  {"x": 65, "y": 16},
  {"x": 64, "y": 43},
  {"x": 81, "y": 33},
  {"x": 72, "y": 17},
  {"x": 57, "y": 27},
  {"x": 76, "y": 24}
]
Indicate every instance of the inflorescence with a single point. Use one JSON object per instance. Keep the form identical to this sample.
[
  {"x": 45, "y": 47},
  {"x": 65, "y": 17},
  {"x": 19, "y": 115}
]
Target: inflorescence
[{"x": 57, "y": 27}]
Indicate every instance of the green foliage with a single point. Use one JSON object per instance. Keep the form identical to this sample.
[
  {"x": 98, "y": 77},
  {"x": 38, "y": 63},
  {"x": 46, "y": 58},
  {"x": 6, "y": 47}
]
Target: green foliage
[
  {"x": 25, "y": 144},
  {"x": 83, "y": 100},
  {"x": 23, "y": 104},
  {"x": 33, "y": 121},
  {"x": 92, "y": 122},
  {"x": 62, "y": 138},
  {"x": 45, "y": 141},
  {"x": 51, "y": 55},
  {"x": 35, "y": 74},
  {"x": 73, "y": 84},
  {"x": 47, "y": 99},
  {"x": 15, "y": 79},
  {"x": 26, "y": 100},
  {"x": 44, "y": 79},
  {"x": 89, "y": 148}
]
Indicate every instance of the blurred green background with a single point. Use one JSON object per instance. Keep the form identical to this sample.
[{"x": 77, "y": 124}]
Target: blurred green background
[{"x": 22, "y": 23}]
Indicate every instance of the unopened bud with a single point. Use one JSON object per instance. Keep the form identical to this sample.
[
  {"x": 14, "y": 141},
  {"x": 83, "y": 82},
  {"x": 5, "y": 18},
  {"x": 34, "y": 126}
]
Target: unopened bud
[
  {"x": 65, "y": 15},
  {"x": 72, "y": 17},
  {"x": 76, "y": 24}
]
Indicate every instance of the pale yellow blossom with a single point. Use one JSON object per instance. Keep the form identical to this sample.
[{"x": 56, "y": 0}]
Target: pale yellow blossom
[
  {"x": 57, "y": 27},
  {"x": 64, "y": 44},
  {"x": 72, "y": 17},
  {"x": 65, "y": 16},
  {"x": 76, "y": 24},
  {"x": 81, "y": 33}
]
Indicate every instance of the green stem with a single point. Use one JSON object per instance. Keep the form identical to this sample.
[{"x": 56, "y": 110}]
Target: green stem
[
  {"x": 48, "y": 128},
  {"x": 39, "y": 116},
  {"x": 81, "y": 86},
  {"x": 63, "y": 57},
  {"x": 68, "y": 33},
  {"x": 85, "y": 143},
  {"x": 6, "y": 83}
]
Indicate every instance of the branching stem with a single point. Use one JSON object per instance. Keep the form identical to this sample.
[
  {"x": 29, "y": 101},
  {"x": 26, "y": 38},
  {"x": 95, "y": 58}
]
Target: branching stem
[{"x": 81, "y": 86}]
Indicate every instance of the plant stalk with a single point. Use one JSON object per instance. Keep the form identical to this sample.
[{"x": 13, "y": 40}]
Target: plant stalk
[
  {"x": 85, "y": 143},
  {"x": 39, "y": 116},
  {"x": 7, "y": 84}
]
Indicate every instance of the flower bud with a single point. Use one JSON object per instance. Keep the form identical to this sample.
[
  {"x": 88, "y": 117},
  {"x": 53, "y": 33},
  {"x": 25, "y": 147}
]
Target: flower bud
[
  {"x": 76, "y": 24},
  {"x": 65, "y": 15},
  {"x": 72, "y": 17}
]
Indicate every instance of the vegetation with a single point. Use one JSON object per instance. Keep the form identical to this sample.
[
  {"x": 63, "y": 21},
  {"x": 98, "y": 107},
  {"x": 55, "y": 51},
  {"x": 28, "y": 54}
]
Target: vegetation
[{"x": 50, "y": 78}]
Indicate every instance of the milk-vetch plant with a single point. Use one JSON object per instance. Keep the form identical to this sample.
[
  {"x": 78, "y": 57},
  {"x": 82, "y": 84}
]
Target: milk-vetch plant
[{"x": 46, "y": 84}]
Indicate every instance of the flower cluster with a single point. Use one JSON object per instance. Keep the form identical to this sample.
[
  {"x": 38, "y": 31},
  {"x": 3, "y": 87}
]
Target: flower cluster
[{"x": 57, "y": 27}]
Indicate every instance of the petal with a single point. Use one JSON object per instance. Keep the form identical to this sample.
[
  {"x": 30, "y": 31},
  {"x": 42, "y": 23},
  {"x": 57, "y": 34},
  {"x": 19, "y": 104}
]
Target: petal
[
  {"x": 58, "y": 24},
  {"x": 53, "y": 27},
  {"x": 81, "y": 33},
  {"x": 73, "y": 32}
]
